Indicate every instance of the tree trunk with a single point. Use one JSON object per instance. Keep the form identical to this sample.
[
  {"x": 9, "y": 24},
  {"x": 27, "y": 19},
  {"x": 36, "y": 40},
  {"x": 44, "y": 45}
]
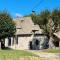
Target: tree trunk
[
  {"x": 51, "y": 44},
  {"x": 59, "y": 43},
  {"x": 0, "y": 44}
]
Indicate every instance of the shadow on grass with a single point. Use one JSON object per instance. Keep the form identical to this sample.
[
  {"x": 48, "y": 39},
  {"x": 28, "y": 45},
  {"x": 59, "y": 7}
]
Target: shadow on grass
[{"x": 7, "y": 48}]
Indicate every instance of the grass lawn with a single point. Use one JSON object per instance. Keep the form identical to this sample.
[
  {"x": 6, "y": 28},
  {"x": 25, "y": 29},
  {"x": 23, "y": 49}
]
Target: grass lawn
[
  {"x": 24, "y": 55},
  {"x": 51, "y": 50},
  {"x": 46, "y": 51},
  {"x": 14, "y": 54}
]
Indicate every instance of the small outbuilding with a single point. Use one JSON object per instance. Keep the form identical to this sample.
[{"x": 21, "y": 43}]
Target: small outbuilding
[{"x": 27, "y": 36}]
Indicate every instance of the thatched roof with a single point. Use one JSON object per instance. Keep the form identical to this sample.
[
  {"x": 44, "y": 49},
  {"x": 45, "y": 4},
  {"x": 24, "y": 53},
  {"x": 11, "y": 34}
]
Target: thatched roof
[{"x": 25, "y": 25}]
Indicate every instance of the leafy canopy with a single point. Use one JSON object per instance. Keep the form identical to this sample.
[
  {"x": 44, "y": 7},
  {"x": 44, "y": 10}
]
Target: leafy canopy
[
  {"x": 7, "y": 26},
  {"x": 48, "y": 21}
]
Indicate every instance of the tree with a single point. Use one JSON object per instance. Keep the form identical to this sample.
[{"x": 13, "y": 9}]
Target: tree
[
  {"x": 49, "y": 22},
  {"x": 53, "y": 25},
  {"x": 42, "y": 20},
  {"x": 7, "y": 26}
]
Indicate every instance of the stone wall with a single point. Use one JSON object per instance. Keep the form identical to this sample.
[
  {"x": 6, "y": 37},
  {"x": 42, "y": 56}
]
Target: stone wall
[
  {"x": 42, "y": 42},
  {"x": 24, "y": 42}
]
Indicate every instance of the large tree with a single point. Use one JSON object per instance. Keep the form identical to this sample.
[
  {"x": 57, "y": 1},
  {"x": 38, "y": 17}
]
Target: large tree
[
  {"x": 42, "y": 20},
  {"x": 7, "y": 26},
  {"x": 49, "y": 22}
]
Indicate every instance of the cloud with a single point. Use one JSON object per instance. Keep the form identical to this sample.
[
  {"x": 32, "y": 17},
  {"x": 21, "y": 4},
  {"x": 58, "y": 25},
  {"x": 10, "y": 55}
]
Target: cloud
[{"x": 18, "y": 15}]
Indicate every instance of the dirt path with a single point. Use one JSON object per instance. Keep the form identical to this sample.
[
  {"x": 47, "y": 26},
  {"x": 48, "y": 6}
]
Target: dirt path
[{"x": 46, "y": 55}]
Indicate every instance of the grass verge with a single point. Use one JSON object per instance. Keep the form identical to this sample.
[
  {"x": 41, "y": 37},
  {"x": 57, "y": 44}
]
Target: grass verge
[
  {"x": 14, "y": 54},
  {"x": 51, "y": 50}
]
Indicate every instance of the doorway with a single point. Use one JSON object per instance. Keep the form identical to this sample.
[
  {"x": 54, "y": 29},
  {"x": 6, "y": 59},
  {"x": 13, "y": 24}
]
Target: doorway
[
  {"x": 56, "y": 43},
  {"x": 34, "y": 45},
  {"x": 30, "y": 45}
]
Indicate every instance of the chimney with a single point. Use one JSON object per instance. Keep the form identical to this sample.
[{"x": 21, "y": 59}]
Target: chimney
[{"x": 33, "y": 13}]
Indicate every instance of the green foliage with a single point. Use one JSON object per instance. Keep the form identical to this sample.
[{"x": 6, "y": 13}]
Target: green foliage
[
  {"x": 44, "y": 15},
  {"x": 48, "y": 21},
  {"x": 7, "y": 26},
  {"x": 56, "y": 18}
]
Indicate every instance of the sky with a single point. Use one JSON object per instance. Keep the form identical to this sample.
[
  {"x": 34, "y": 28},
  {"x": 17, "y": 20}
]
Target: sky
[{"x": 25, "y": 7}]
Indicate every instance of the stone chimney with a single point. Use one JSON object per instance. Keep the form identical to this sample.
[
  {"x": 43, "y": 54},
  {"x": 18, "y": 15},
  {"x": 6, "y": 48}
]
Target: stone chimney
[{"x": 33, "y": 13}]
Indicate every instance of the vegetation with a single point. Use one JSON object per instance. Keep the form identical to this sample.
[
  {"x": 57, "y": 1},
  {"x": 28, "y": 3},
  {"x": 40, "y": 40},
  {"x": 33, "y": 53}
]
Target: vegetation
[
  {"x": 23, "y": 55},
  {"x": 16, "y": 55},
  {"x": 51, "y": 50},
  {"x": 7, "y": 26},
  {"x": 49, "y": 22}
]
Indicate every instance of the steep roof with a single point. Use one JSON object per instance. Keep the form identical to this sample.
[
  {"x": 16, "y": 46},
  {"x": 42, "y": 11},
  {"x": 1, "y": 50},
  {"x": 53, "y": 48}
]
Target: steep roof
[
  {"x": 25, "y": 25},
  {"x": 57, "y": 34}
]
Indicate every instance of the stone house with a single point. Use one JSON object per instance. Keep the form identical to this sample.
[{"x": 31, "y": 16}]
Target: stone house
[{"x": 27, "y": 36}]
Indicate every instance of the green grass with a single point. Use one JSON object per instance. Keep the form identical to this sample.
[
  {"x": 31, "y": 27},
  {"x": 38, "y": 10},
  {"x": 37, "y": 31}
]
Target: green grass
[
  {"x": 51, "y": 50},
  {"x": 24, "y": 55},
  {"x": 14, "y": 54}
]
